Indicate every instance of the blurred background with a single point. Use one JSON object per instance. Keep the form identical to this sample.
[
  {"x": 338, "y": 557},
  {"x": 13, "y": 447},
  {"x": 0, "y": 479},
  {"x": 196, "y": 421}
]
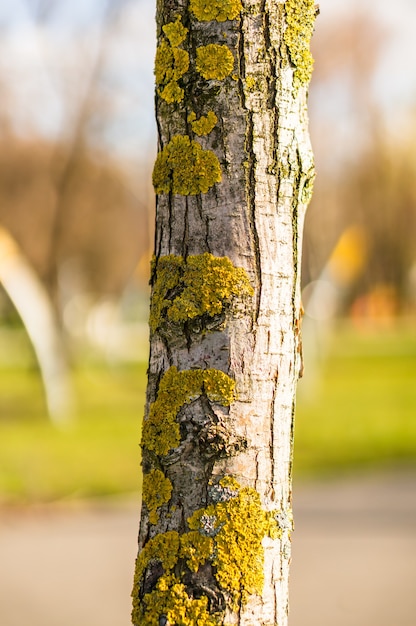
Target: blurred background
[{"x": 77, "y": 147}]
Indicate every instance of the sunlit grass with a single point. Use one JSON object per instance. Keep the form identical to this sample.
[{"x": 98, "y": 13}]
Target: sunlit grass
[
  {"x": 363, "y": 410},
  {"x": 362, "y": 413},
  {"x": 97, "y": 455}
]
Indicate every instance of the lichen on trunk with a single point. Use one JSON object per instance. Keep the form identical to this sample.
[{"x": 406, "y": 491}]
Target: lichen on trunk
[{"x": 233, "y": 176}]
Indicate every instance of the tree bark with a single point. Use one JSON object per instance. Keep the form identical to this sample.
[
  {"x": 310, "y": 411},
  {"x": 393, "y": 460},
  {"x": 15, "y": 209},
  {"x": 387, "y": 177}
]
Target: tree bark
[{"x": 233, "y": 178}]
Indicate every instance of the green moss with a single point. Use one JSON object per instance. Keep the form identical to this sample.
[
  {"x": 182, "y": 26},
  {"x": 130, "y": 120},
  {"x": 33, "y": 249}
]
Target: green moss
[
  {"x": 157, "y": 490},
  {"x": 204, "y": 125},
  {"x": 238, "y": 525},
  {"x": 214, "y": 61},
  {"x": 300, "y": 17},
  {"x": 171, "y": 62},
  {"x": 219, "y": 10},
  {"x": 184, "y": 167},
  {"x": 203, "y": 285},
  {"x": 161, "y": 430}
]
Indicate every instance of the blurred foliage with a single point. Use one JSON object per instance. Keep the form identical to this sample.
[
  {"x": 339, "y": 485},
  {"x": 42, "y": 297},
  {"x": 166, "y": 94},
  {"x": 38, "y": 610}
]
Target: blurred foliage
[
  {"x": 377, "y": 194},
  {"x": 366, "y": 164},
  {"x": 97, "y": 455},
  {"x": 65, "y": 204}
]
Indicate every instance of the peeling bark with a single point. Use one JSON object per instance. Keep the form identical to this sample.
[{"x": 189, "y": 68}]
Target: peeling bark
[{"x": 253, "y": 217}]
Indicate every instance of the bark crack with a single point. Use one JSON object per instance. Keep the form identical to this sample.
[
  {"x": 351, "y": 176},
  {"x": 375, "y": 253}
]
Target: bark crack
[
  {"x": 186, "y": 230},
  {"x": 207, "y": 234},
  {"x": 250, "y": 173},
  {"x": 170, "y": 222},
  {"x": 272, "y": 442},
  {"x": 251, "y": 185},
  {"x": 271, "y": 54}
]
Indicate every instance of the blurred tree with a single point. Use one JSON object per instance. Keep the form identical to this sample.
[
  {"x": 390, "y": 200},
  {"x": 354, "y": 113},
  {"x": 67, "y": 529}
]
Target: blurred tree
[
  {"x": 97, "y": 213},
  {"x": 64, "y": 200},
  {"x": 34, "y": 307},
  {"x": 74, "y": 213},
  {"x": 233, "y": 178},
  {"x": 367, "y": 171},
  {"x": 381, "y": 198}
]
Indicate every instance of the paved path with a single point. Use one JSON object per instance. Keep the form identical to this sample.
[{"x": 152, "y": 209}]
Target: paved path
[
  {"x": 354, "y": 558},
  {"x": 354, "y": 552}
]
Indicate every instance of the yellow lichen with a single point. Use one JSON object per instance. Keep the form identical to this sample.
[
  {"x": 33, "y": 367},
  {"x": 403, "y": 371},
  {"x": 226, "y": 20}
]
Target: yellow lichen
[
  {"x": 171, "y": 601},
  {"x": 219, "y": 10},
  {"x": 161, "y": 430},
  {"x": 214, "y": 61},
  {"x": 169, "y": 598},
  {"x": 171, "y": 62},
  {"x": 164, "y": 63},
  {"x": 157, "y": 490},
  {"x": 203, "y": 284},
  {"x": 163, "y": 548},
  {"x": 172, "y": 92},
  {"x": 227, "y": 535},
  {"x": 250, "y": 82},
  {"x": 300, "y": 17},
  {"x": 184, "y": 167},
  {"x": 238, "y": 524},
  {"x": 204, "y": 125},
  {"x": 181, "y": 62},
  {"x": 176, "y": 32},
  {"x": 196, "y": 549}
]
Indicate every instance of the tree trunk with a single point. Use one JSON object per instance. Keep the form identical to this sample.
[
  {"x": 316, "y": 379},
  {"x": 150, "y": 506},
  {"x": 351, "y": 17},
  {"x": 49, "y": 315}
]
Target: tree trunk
[{"x": 233, "y": 177}]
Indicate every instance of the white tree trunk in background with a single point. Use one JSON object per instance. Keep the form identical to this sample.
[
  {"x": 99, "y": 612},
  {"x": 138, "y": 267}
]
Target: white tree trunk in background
[
  {"x": 37, "y": 314},
  {"x": 233, "y": 176}
]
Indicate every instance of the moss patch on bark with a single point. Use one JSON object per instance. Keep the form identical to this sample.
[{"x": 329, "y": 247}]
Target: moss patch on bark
[
  {"x": 157, "y": 490},
  {"x": 218, "y": 10},
  {"x": 204, "y": 125},
  {"x": 225, "y": 537},
  {"x": 171, "y": 62},
  {"x": 300, "y": 17},
  {"x": 214, "y": 61},
  {"x": 183, "y": 167},
  {"x": 161, "y": 431},
  {"x": 202, "y": 284}
]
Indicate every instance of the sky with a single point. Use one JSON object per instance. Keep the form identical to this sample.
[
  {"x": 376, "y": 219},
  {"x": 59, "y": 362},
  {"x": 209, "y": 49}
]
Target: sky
[
  {"x": 46, "y": 68},
  {"x": 395, "y": 79},
  {"x": 47, "y": 59}
]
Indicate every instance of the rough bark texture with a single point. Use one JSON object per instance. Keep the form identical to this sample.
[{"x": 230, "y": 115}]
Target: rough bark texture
[{"x": 214, "y": 542}]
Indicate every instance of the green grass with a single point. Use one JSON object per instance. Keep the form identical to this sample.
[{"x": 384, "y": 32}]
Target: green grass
[
  {"x": 97, "y": 455},
  {"x": 361, "y": 412}
]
